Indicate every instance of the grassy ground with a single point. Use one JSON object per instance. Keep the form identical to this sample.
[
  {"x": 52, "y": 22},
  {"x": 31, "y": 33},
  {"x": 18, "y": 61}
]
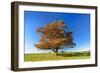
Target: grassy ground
[{"x": 52, "y": 56}]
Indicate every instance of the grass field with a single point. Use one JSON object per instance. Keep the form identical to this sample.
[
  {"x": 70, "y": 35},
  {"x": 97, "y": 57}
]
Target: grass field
[{"x": 52, "y": 56}]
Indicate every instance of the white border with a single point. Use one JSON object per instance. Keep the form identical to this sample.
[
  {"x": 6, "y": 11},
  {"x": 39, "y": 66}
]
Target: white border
[{"x": 23, "y": 64}]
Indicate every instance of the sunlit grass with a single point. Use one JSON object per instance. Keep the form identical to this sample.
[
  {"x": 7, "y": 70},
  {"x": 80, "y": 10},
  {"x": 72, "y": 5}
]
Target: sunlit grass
[{"x": 53, "y": 56}]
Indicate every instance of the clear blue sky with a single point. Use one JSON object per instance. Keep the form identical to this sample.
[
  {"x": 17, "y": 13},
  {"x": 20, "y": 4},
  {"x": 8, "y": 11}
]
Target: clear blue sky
[{"x": 79, "y": 24}]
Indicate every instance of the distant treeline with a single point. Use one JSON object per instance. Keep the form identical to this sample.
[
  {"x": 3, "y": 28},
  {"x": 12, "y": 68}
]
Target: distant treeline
[{"x": 85, "y": 53}]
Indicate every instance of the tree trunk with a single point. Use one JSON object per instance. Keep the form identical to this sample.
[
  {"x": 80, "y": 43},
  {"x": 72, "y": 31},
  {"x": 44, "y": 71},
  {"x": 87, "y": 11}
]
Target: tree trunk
[{"x": 56, "y": 52}]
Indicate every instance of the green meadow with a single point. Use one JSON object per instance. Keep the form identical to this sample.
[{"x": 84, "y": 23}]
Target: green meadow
[{"x": 53, "y": 56}]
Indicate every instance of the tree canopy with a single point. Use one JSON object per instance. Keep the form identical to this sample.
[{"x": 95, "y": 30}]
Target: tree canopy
[{"x": 55, "y": 36}]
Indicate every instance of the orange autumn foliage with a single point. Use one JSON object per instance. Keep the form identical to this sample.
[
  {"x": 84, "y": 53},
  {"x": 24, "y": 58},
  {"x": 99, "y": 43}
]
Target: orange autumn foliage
[{"x": 55, "y": 36}]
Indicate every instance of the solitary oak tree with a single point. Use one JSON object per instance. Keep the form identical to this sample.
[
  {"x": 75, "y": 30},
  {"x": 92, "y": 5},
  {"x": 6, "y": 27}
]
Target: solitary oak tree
[{"x": 55, "y": 36}]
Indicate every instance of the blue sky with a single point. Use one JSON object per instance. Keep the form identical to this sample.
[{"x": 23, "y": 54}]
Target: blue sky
[{"x": 79, "y": 24}]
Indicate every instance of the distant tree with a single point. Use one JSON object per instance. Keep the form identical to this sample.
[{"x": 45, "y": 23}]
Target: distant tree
[
  {"x": 55, "y": 36},
  {"x": 62, "y": 51}
]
